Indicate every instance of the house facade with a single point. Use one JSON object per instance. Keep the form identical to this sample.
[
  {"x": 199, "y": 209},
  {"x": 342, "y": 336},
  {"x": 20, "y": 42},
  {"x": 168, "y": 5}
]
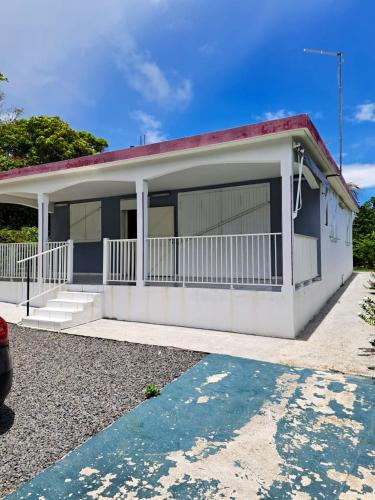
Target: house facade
[{"x": 246, "y": 230}]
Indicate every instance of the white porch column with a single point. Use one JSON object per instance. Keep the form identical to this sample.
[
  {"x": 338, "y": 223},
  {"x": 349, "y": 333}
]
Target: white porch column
[
  {"x": 142, "y": 229},
  {"x": 43, "y": 201},
  {"x": 287, "y": 225}
]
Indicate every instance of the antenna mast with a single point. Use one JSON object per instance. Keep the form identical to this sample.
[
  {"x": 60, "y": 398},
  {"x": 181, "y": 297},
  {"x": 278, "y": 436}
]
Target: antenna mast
[{"x": 339, "y": 55}]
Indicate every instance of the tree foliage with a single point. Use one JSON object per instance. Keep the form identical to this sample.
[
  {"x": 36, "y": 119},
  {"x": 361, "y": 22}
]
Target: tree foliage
[
  {"x": 33, "y": 141},
  {"x": 23, "y": 235},
  {"x": 6, "y": 114},
  {"x": 36, "y": 140},
  {"x": 43, "y": 139},
  {"x": 364, "y": 235}
]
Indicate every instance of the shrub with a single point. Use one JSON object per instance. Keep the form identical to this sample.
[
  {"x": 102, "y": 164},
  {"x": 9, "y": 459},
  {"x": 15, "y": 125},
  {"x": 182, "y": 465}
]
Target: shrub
[
  {"x": 368, "y": 310},
  {"x": 23, "y": 235},
  {"x": 151, "y": 391},
  {"x": 364, "y": 251}
]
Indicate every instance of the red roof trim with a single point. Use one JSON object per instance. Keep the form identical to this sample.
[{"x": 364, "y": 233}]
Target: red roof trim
[
  {"x": 233, "y": 134},
  {"x": 314, "y": 132}
]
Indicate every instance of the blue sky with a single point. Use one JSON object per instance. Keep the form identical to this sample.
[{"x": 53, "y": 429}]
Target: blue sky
[{"x": 171, "y": 68}]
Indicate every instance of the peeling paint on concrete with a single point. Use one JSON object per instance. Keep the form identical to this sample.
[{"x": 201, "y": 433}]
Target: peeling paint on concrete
[
  {"x": 214, "y": 379},
  {"x": 203, "y": 399},
  {"x": 256, "y": 430},
  {"x": 88, "y": 471}
]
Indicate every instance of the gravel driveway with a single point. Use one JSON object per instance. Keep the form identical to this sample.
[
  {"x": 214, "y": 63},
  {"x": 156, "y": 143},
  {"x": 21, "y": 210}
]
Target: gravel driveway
[{"x": 67, "y": 388}]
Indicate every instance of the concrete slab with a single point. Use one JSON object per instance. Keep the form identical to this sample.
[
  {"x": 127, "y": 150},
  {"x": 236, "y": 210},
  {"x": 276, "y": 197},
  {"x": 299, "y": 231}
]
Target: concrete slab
[
  {"x": 12, "y": 313},
  {"x": 336, "y": 340},
  {"x": 230, "y": 428}
]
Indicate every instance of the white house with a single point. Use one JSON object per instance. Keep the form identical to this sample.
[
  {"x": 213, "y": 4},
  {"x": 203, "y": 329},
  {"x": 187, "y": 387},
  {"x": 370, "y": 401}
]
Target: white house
[{"x": 246, "y": 230}]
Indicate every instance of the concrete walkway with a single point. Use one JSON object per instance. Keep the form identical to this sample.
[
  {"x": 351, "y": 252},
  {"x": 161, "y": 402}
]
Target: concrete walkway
[
  {"x": 229, "y": 428},
  {"x": 336, "y": 340}
]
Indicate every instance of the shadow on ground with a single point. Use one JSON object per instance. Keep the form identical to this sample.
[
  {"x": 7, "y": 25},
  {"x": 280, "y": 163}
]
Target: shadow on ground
[
  {"x": 318, "y": 319},
  {"x": 6, "y": 419}
]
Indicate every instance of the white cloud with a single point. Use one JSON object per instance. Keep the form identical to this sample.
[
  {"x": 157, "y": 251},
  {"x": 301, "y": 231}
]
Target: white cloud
[
  {"x": 151, "y": 82},
  {"x": 147, "y": 78},
  {"x": 57, "y": 55},
  {"x": 274, "y": 115},
  {"x": 150, "y": 127},
  {"x": 365, "y": 112},
  {"x": 207, "y": 49},
  {"x": 361, "y": 174}
]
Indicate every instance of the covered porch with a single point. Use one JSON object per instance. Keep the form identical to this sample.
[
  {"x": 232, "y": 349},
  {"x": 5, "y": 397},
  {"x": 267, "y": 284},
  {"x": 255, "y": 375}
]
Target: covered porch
[{"x": 216, "y": 224}]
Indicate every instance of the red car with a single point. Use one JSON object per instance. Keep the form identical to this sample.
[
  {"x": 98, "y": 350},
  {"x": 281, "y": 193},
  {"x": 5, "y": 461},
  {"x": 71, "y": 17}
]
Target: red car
[{"x": 6, "y": 369}]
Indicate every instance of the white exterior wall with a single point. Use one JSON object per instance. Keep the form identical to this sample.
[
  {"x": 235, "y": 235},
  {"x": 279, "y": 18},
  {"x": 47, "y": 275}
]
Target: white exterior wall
[
  {"x": 14, "y": 292},
  {"x": 336, "y": 261},
  {"x": 242, "y": 311}
]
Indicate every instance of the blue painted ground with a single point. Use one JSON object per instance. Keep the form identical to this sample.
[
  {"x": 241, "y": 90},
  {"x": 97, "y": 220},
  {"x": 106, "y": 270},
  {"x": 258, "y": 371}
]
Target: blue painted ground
[{"x": 230, "y": 428}]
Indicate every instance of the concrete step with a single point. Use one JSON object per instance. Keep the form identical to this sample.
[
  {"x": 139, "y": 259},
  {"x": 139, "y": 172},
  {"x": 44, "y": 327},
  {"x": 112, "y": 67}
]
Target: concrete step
[
  {"x": 66, "y": 310},
  {"x": 68, "y": 305},
  {"x": 54, "y": 314},
  {"x": 77, "y": 296},
  {"x": 42, "y": 323}
]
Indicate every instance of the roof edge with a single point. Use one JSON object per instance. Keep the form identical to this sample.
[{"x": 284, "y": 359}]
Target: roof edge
[
  {"x": 295, "y": 122},
  {"x": 170, "y": 146}
]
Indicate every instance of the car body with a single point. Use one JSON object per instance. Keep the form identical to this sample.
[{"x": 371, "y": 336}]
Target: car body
[{"x": 6, "y": 368}]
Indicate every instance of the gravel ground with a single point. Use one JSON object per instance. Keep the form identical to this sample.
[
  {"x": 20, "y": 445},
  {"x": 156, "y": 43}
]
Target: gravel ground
[{"x": 67, "y": 388}]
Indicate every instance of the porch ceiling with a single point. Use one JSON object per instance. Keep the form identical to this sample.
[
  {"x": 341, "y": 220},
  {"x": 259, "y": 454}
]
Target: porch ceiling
[
  {"x": 208, "y": 175},
  {"x": 94, "y": 189}
]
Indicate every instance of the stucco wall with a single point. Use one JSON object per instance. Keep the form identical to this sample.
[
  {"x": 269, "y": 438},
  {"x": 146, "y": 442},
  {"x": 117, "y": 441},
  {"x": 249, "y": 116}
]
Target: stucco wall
[
  {"x": 336, "y": 264},
  {"x": 14, "y": 292},
  {"x": 243, "y": 311}
]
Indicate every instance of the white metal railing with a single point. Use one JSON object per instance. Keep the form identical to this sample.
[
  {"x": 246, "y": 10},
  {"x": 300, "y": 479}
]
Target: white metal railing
[
  {"x": 119, "y": 260},
  {"x": 305, "y": 258},
  {"x": 47, "y": 270},
  {"x": 245, "y": 259},
  {"x": 11, "y": 253}
]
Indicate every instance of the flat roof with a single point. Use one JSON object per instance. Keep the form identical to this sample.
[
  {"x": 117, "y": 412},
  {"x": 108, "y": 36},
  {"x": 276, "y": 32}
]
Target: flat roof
[{"x": 290, "y": 123}]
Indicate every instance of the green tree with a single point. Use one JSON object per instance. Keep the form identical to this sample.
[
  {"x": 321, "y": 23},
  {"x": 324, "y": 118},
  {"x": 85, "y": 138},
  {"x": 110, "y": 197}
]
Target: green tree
[
  {"x": 43, "y": 139},
  {"x": 33, "y": 141},
  {"x": 37, "y": 140},
  {"x": 364, "y": 235},
  {"x": 25, "y": 234},
  {"x": 7, "y": 115}
]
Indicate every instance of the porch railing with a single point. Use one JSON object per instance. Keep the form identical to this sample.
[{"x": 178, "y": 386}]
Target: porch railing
[
  {"x": 12, "y": 253},
  {"x": 305, "y": 258},
  {"x": 47, "y": 271},
  {"x": 245, "y": 259},
  {"x": 119, "y": 260}
]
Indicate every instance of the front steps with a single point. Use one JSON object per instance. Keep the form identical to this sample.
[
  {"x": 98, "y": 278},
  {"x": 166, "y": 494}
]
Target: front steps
[{"x": 69, "y": 308}]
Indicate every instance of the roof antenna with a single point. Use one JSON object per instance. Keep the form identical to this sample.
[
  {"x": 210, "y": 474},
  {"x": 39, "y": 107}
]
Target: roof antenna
[{"x": 339, "y": 55}]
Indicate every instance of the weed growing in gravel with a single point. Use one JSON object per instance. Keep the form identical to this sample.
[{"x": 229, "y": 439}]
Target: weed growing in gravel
[{"x": 151, "y": 391}]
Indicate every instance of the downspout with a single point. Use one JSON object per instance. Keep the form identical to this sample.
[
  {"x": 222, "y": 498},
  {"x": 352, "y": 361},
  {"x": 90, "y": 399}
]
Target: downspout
[{"x": 298, "y": 202}]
